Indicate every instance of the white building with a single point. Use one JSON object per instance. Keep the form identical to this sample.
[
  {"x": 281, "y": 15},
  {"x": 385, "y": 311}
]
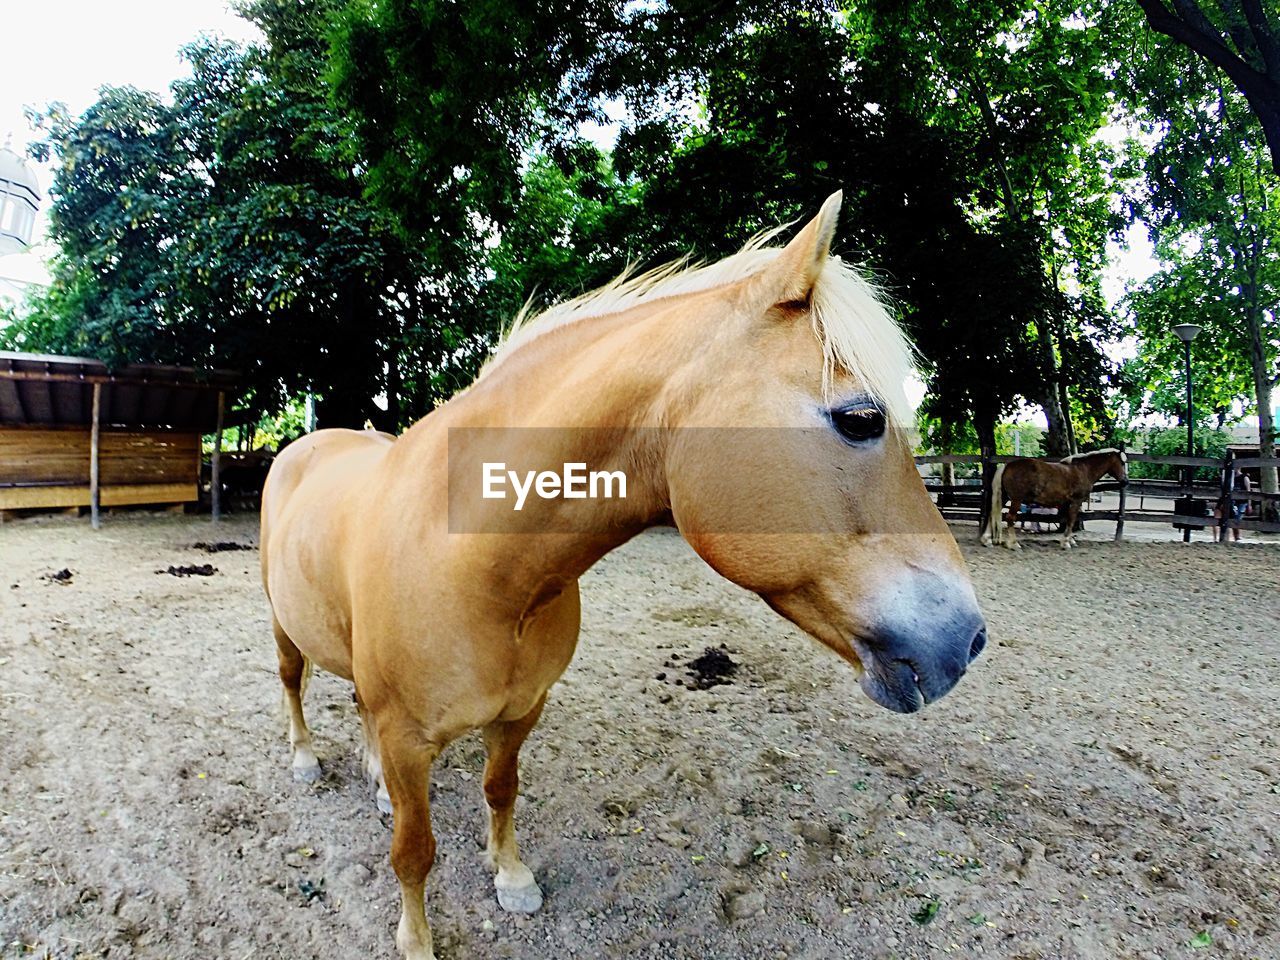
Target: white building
[{"x": 21, "y": 265}]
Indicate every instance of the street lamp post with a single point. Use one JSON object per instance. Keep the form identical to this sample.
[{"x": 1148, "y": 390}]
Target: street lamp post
[{"x": 1186, "y": 333}]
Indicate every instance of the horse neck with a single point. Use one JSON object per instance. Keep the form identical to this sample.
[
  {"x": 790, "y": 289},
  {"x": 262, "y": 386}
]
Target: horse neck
[
  {"x": 582, "y": 405},
  {"x": 1094, "y": 468}
]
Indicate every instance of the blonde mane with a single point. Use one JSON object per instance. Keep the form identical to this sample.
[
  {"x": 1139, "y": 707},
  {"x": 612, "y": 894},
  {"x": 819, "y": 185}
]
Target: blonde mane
[
  {"x": 1093, "y": 453},
  {"x": 850, "y": 317}
]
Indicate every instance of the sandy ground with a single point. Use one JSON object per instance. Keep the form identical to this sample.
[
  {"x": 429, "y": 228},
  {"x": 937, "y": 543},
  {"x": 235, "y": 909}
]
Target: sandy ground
[{"x": 1105, "y": 783}]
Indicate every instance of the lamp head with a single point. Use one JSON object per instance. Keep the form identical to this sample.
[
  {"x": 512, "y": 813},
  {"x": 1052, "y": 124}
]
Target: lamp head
[{"x": 1187, "y": 331}]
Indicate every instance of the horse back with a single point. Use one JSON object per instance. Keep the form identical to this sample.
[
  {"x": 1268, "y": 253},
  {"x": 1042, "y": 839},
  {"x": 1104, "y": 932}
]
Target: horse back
[{"x": 322, "y": 458}]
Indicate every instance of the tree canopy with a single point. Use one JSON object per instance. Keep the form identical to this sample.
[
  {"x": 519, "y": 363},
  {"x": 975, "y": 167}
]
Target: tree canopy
[
  {"x": 353, "y": 206},
  {"x": 1239, "y": 37},
  {"x": 1209, "y": 197},
  {"x": 215, "y": 229}
]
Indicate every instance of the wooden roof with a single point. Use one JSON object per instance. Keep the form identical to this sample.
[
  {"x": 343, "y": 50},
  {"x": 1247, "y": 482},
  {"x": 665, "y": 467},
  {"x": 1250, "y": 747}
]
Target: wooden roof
[{"x": 38, "y": 390}]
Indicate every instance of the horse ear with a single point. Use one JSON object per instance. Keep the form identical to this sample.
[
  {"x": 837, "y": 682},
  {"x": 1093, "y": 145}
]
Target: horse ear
[{"x": 792, "y": 276}]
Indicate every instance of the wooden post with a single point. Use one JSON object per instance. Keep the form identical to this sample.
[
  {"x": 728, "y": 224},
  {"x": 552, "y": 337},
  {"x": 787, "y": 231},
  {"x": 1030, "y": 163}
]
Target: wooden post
[
  {"x": 95, "y": 494},
  {"x": 1227, "y": 501},
  {"x": 1188, "y": 474},
  {"x": 1120, "y": 513},
  {"x": 215, "y": 472}
]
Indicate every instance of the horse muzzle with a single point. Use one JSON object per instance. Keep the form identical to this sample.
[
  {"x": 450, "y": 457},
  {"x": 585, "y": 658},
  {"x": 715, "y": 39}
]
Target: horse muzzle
[{"x": 921, "y": 645}]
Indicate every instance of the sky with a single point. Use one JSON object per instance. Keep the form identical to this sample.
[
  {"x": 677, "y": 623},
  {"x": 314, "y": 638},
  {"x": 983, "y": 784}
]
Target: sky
[{"x": 70, "y": 48}]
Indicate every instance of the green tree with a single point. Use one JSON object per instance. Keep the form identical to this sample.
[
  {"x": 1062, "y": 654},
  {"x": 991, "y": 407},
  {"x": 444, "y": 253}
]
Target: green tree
[
  {"x": 1186, "y": 290},
  {"x": 1172, "y": 442},
  {"x": 1023, "y": 89},
  {"x": 446, "y": 101},
  {"x": 1211, "y": 204},
  {"x": 572, "y": 228},
  {"x": 803, "y": 102},
  {"x": 224, "y": 228},
  {"x": 120, "y": 181},
  {"x": 1239, "y": 37}
]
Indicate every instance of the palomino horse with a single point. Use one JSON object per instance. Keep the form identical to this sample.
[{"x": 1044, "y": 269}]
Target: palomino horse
[
  {"x": 444, "y": 630},
  {"x": 1064, "y": 485}
]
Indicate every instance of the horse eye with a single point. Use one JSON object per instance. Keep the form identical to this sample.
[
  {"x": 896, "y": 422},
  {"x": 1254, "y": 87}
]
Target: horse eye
[{"x": 858, "y": 424}]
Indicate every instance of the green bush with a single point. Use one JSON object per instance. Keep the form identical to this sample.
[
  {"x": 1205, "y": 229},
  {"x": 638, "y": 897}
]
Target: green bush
[
  {"x": 1030, "y": 439},
  {"x": 962, "y": 439},
  {"x": 1172, "y": 442}
]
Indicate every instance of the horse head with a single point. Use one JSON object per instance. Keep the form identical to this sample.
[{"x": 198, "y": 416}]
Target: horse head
[
  {"x": 807, "y": 492},
  {"x": 1118, "y": 465}
]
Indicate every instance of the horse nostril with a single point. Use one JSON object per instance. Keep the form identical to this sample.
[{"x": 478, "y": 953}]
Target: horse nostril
[{"x": 979, "y": 643}]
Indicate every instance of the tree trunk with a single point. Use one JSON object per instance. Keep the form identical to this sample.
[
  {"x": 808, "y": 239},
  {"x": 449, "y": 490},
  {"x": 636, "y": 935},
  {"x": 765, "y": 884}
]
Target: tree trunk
[
  {"x": 1072, "y": 444},
  {"x": 985, "y": 425},
  {"x": 986, "y": 429},
  {"x": 1250, "y": 289},
  {"x": 944, "y": 446},
  {"x": 1268, "y": 111},
  {"x": 1057, "y": 441},
  {"x": 1262, "y": 387}
]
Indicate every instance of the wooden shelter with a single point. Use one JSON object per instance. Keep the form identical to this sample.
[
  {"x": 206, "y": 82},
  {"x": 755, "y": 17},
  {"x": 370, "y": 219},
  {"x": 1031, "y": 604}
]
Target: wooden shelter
[{"x": 74, "y": 433}]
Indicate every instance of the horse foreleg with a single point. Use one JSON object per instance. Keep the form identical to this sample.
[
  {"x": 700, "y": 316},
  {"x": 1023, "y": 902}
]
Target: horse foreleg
[
  {"x": 406, "y": 764},
  {"x": 295, "y": 669},
  {"x": 1069, "y": 528},
  {"x": 518, "y": 892},
  {"x": 1011, "y": 536}
]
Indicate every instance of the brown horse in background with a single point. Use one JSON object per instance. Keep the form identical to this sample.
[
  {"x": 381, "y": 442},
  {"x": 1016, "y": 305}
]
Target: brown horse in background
[{"x": 1064, "y": 485}]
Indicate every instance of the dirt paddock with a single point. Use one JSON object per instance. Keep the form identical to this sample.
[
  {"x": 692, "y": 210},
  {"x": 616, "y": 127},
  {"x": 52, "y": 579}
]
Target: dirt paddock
[{"x": 1105, "y": 783}]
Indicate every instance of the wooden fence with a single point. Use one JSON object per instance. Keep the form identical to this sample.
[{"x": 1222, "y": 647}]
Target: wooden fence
[
  {"x": 72, "y": 466},
  {"x": 970, "y": 498}
]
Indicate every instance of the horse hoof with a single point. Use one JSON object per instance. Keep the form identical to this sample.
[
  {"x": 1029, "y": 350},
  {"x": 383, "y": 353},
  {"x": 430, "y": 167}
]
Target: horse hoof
[
  {"x": 411, "y": 948},
  {"x": 520, "y": 899},
  {"x": 307, "y": 774},
  {"x": 517, "y": 891}
]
